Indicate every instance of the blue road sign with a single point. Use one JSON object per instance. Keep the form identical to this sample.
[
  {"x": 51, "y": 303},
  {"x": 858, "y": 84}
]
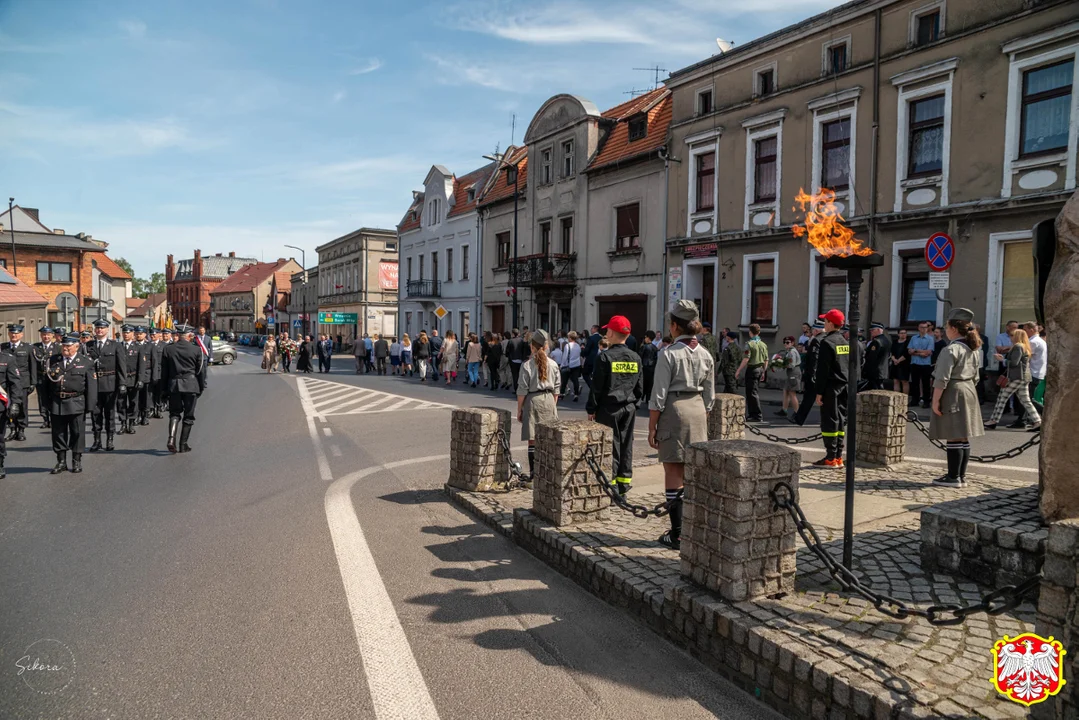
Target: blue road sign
[{"x": 939, "y": 252}]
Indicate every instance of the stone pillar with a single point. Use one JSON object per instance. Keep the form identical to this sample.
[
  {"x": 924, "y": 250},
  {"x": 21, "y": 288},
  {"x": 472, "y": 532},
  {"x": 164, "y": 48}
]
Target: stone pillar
[
  {"x": 733, "y": 541},
  {"x": 1059, "y": 453},
  {"x": 564, "y": 490},
  {"x": 1058, "y": 615},
  {"x": 726, "y": 420},
  {"x": 882, "y": 427},
  {"x": 477, "y": 459}
]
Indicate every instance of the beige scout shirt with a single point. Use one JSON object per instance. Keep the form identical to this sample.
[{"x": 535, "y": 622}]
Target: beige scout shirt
[
  {"x": 683, "y": 369},
  {"x": 956, "y": 362},
  {"x": 529, "y": 381}
]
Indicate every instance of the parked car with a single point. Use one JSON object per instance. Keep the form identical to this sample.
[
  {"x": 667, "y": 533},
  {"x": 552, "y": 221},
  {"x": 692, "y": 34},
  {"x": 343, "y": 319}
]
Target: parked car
[
  {"x": 245, "y": 339},
  {"x": 262, "y": 341},
  {"x": 224, "y": 353}
]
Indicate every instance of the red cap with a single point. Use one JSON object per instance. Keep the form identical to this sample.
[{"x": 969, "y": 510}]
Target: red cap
[
  {"x": 834, "y": 316},
  {"x": 619, "y": 323}
]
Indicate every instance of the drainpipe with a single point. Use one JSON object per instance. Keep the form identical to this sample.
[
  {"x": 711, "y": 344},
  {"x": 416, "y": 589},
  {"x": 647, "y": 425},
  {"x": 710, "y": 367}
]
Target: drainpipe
[{"x": 874, "y": 163}]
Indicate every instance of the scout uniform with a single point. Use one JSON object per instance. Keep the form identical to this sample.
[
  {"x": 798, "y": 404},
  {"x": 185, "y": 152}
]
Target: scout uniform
[
  {"x": 756, "y": 357},
  {"x": 24, "y": 360},
  {"x": 111, "y": 372},
  {"x": 956, "y": 372},
  {"x": 9, "y": 379},
  {"x": 43, "y": 350},
  {"x": 539, "y": 396},
  {"x": 830, "y": 383},
  {"x": 617, "y": 389},
  {"x": 129, "y": 396},
  {"x": 75, "y": 389},
  {"x": 145, "y": 378},
  {"x": 182, "y": 372}
]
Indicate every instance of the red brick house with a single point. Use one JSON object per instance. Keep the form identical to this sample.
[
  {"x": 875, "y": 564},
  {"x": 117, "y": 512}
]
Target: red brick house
[{"x": 189, "y": 283}]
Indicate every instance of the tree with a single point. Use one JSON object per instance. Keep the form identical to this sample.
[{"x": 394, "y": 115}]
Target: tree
[
  {"x": 139, "y": 286},
  {"x": 125, "y": 266}
]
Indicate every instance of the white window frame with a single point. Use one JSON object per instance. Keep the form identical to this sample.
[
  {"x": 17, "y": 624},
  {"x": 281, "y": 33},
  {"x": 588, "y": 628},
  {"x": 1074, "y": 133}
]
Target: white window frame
[
  {"x": 465, "y": 250},
  {"x": 546, "y": 177},
  {"x": 569, "y": 157},
  {"x": 1017, "y": 66},
  {"x": 573, "y": 232},
  {"x": 912, "y": 28},
  {"x": 826, "y": 55},
  {"x": 995, "y": 277},
  {"x": 897, "y": 281},
  {"x": 639, "y": 202},
  {"x": 814, "y": 287},
  {"x": 908, "y": 95},
  {"x": 449, "y": 265},
  {"x": 697, "y": 100},
  {"x": 747, "y": 281},
  {"x": 774, "y": 67},
  {"x": 694, "y": 213},
  {"x": 843, "y": 104},
  {"x": 759, "y": 128}
]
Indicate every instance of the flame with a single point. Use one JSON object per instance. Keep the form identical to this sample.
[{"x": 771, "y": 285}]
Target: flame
[{"x": 824, "y": 228}]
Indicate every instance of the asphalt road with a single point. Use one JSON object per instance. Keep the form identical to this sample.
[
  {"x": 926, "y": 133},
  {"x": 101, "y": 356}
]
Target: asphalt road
[{"x": 300, "y": 564}]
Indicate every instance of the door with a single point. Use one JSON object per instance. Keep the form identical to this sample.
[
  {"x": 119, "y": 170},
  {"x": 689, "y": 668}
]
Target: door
[
  {"x": 633, "y": 307},
  {"x": 498, "y": 319},
  {"x": 708, "y": 294}
]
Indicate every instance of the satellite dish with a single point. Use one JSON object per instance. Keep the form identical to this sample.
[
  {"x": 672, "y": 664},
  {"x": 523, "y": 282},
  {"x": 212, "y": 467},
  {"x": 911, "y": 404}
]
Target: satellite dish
[{"x": 723, "y": 45}]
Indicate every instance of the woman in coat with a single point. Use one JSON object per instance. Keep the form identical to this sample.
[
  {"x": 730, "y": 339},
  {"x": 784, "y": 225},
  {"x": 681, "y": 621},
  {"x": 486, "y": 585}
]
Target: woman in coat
[
  {"x": 449, "y": 356},
  {"x": 1019, "y": 379},
  {"x": 957, "y": 416},
  {"x": 537, "y": 393},
  {"x": 683, "y": 391},
  {"x": 303, "y": 357},
  {"x": 421, "y": 351},
  {"x": 269, "y": 354}
]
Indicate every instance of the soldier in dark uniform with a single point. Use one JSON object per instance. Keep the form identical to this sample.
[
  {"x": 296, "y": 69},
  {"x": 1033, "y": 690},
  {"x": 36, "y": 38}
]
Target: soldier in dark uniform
[
  {"x": 157, "y": 347},
  {"x": 111, "y": 374},
  {"x": 617, "y": 389},
  {"x": 830, "y": 382},
  {"x": 44, "y": 349},
  {"x": 145, "y": 378},
  {"x": 181, "y": 371},
  {"x": 75, "y": 390},
  {"x": 84, "y": 342},
  {"x": 128, "y": 402},
  {"x": 809, "y": 366},
  {"x": 24, "y": 360},
  {"x": 877, "y": 358},
  {"x": 9, "y": 379}
]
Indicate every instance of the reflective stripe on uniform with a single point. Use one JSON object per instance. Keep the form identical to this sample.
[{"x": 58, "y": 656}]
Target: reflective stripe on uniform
[{"x": 837, "y": 433}]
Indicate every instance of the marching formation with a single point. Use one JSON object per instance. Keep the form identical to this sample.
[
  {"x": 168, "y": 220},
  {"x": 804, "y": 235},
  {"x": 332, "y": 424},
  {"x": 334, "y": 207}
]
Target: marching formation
[{"x": 117, "y": 383}]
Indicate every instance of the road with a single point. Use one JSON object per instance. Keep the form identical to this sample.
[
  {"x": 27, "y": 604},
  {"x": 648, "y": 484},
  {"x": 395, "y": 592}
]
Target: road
[{"x": 303, "y": 562}]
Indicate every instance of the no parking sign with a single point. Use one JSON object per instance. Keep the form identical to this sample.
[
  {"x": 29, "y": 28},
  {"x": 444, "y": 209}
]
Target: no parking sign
[{"x": 939, "y": 252}]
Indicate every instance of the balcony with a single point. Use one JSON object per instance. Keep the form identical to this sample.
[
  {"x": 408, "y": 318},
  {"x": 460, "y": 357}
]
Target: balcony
[
  {"x": 550, "y": 270},
  {"x": 422, "y": 289}
]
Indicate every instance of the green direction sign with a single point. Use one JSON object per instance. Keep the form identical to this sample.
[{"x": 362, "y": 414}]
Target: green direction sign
[{"x": 335, "y": 318}]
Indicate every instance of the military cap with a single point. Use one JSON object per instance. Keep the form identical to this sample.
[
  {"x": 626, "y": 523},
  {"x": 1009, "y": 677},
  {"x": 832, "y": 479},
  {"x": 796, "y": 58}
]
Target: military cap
[
  {"x": 707, "y": 325},
  {"x": 70, "y": 340},
  {"x": 961, "y": 314},
  {"x": 539, "y": 337},
  {"x": 685, "y": 310},
  {"x": 876, "y": 326},
  {"x": 140, "y": 329},
  {"x": 15, "y": 327},
  {"x": 127, "y": 328},
  {"x": 44, "y": 329},
  {"x": 818, "y": 325},
  {"x": 86, "y": 333},
  {"x": 732, "y": 334},
  {"x": 101, "y": 323}
]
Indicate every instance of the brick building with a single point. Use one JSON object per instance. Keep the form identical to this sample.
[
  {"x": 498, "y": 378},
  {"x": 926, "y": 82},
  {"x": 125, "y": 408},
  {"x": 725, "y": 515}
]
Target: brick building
[
  {"x": 188, "y": 284},
  {"x": 239, "y": 303}
]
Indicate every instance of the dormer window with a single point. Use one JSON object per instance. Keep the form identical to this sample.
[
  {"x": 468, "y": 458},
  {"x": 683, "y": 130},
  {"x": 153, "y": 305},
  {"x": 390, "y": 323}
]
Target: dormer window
[
  {"x": 434, "y": 214},
  {"x": 511, "y": 175},
  {"x": 472, "y": 194},
  {"x": 638, "y": 127}
]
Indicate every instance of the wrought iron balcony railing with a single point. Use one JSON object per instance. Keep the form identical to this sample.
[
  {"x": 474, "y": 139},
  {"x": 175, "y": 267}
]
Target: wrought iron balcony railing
[
  {"x": 543, "y": 270},
  {"x": 422, "y": 288}
]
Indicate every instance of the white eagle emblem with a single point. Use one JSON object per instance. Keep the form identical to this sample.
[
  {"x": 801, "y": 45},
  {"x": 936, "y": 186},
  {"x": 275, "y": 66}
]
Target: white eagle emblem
[{"x": 1027, "y": 668}]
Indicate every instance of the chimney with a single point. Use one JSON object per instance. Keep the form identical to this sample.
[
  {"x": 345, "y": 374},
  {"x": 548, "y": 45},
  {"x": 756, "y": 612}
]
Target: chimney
[
  {"x": 57, "y": 231},
  {"x": 32, "y": 212},
  {"x": 232, "y": 254},
  {"x": 217, "y": 254}
]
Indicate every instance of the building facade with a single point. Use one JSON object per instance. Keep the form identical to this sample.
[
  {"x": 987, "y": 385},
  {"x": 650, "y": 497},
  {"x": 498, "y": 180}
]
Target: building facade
[
  {"x": 189, "y": 283},
  {"x": 302, "y": 301},
  {"x": 358, "y": 277},
  {"x": 244, "y": 301},
  {"x": 923, "y": 116},
  {"x": 20, "y": 304},
  {"x": 506, "y": 217},
  {"x": 440, "y": 246}
]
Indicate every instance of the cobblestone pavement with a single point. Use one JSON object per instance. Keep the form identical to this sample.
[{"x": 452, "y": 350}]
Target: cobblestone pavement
[
  {"x": 816, "y": 652},
  {"x": 910, "y": 482}
]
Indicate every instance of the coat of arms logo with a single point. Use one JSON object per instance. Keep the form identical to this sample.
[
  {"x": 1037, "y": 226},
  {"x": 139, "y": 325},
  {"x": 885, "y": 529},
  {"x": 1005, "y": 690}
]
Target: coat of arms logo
[{"x": 1028, "y": 668}]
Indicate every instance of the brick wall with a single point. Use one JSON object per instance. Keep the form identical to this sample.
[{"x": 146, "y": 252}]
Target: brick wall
[{"x": 81, "y": 284}]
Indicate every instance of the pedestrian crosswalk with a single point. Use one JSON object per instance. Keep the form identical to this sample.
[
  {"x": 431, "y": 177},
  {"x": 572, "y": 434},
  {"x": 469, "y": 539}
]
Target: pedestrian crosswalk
[{"x": 322, "y": 398}]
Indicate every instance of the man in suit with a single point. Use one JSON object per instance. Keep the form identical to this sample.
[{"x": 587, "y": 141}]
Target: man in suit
[
  {"x": 517, "y": 352},
  {"x": 182, "y": 373},
  {"x": 111, "y": 383},
  {"x": 382, "y": 353},
  {"x": 436, "y": 349},
  {"x": 206, "y": 344},
  {"x": 75, "y": 392},
  {"x": 129, "y": 399},
  {"x": 43, "y": 350},
  {"x": 24, "y": 361},
  {"x": 320, "y": 351},
  {"x": 327, "y": 350},
  {"x": 591, "y": 352}
]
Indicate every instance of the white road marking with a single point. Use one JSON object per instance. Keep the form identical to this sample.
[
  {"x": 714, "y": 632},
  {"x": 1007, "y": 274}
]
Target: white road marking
[
  {"x": 333, "y": 398},
  {"x": 335, "y": 451},
  {"x": 396, "y": 684},
  {"x": 320, "y": 454},
  {"x": 327, "y": 431}
]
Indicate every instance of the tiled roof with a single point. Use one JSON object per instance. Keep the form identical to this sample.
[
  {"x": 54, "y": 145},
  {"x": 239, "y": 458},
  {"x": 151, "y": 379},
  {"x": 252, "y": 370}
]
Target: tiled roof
[
  {"x": 410, "y": 221},
  {"x": 248, "y": 277},
  {"x": 618, "y": 149},
  {"x": 213, "y": 266},
  {"x": 50, "y": 240},
  {"x": 15, "y": 292},
  {"x": 283, "y": 279},
  {"x": 116, "y": 317},
  {"x": 476, "y": 180},
  {"x": 501, "y": 190},
  {"x": 108, "y": 266},
  {"x": 637, "y": 104}
]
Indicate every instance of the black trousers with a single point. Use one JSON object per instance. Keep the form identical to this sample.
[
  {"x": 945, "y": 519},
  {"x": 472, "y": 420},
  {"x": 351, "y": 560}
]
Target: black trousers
[
  {"x": 22, "y": 420},
  {"x": 621, "y": 422},
  {"x": 3, "y": 435},
  {"x": 875, "y": 383},
  {"x": 69, "y": 433},
  {"x": 571, "y": 375},
  {"x": 809, "y": 399},
  {"x": 921, "y": 380},
  {"x": 42, "y": 404},
  {"x": 128, "y": 405},
  {"x": 157, "y": 392},
  {"x": 833, "y": 418},
  {"x": 145, "y": 393},
  {"x": 649, "y": 381},
  {"x": 103, "y": 416},
  {"x": 754, "y": 376},
  {"x": 182, "y": 405},
  {"x": 515, "y": 372}
]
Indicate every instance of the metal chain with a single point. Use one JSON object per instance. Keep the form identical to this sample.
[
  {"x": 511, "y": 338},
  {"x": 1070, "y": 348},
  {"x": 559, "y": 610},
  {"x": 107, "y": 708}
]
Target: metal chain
[
  {"x": 912, "y": 417},
  {"x": 617, "y": 498},
  {"x": 518, "y": 478},
  {"x": 995, "y": 603},
  {"x": 776, "y": 438}
]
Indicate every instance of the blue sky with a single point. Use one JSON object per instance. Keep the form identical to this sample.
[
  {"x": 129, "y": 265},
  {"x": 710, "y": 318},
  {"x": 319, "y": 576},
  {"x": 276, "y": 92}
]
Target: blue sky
[{"x": 250, "y": 124}]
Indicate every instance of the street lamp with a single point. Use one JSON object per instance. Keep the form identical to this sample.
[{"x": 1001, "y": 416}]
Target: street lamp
[
  {"x": 501, "y": 160},
  {"x": 303, "y": 261}
]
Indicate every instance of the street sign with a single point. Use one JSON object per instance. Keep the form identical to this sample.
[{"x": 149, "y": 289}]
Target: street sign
[
  {"x": 938, "y": 280},
  {"x": 939, "y": 252},
  {"x": 270, "y": 321},
  {"x": 297, "y": 323},
  {"x": 336, "y": 318},
  {"x": 441, "y": 312}
]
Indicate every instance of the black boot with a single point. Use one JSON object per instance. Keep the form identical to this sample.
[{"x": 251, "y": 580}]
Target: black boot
[
  {"x": 131, "y": 426},
  {"x": 76, "y": 462},
  {"x": 145, "y": 420},
  {"x": 109, "y": 447},
  {"x": 61, "y": 464},
  {"x": 20, "y": 435},
  {"x": 185, "y": 433},
  {"x": 97, "y": 442},
  {"x": 673, "y": 537},
  {"x": 174, "y": 426}
]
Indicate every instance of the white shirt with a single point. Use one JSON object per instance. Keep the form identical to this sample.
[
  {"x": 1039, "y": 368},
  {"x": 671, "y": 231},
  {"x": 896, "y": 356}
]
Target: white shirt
[
  {"x": 1039, "y": 351},
  {"x": 556, "y": 355},
  {"x": 572, "y": 355}
]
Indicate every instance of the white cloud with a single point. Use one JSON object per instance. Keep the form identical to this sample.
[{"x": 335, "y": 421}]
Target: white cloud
[
  {"x": 338, "y": 96},
  {"x": 362, "y": 173},
  {"x": 134, "y": 28},
  {"x": 368, "y": 67},
  {"x": 454, "y": 71}
]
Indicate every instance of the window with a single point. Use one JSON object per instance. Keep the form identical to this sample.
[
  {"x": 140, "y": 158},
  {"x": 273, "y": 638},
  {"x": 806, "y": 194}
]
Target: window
[
  {"x": 638, "y": 128},
  {"x": 837, "y": 58},
  {"x": 706, "y": 180},
  {"x": 464, "y": 262},
  {"x": 449, "y": 264},
  {"x": 53, "y": 272},
  {"x": 434, "y": 215},
  {"x": 926, "y": 136},
  {"x": 918, "y": 302},
  {"x": 567, "y": 159},
  {"x": 3, "y": 262},
  {"x": 471, "y": 194},
  {"x": 421, "y": 267},
  {"x": 502, "y": 245},
  {"x": 511, "y": 175},
  {"x": 408, "y": 269},
  {"x": 927, "y": 28},
  {"x": 1045, "y": 113},
  {"x": 762, "y": 292},
  {"x": 766, "y": 82},
  {"x": 545, "y": 167},
  {"x": 764, "y": 169},
  {"x": 466, "y": 324},
  {"x": 545, "y": 238},
  {"x": 434, "y": 266},
  {"x": 835, "y": 154},
  {"x": 567, "y": 235},
  {"x": 628, "y": 224},
  {"x": 392, "y": 246},
  {"x": 831, "y": 288},
  {"x": 704, "y": 102}
]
